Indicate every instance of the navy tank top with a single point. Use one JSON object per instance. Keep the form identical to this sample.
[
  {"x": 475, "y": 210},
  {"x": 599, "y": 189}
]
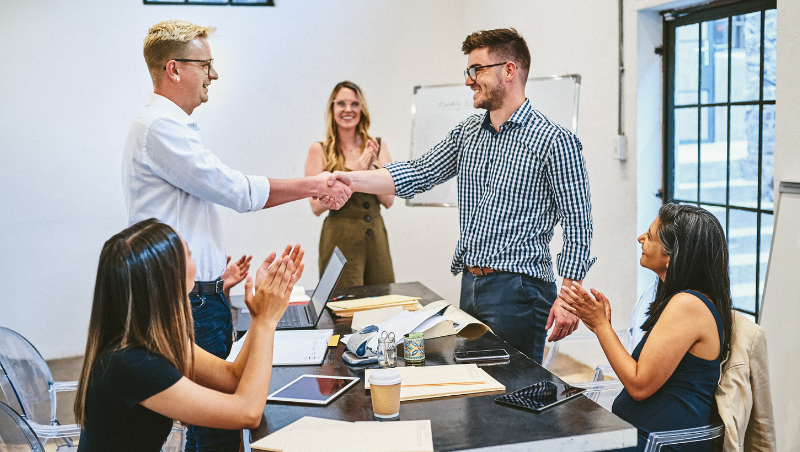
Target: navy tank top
[{"x": 685, "y": 400}]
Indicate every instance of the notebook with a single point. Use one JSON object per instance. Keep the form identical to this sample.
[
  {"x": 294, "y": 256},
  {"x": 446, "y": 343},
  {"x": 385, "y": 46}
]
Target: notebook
[{"x": 307, "y": 316}]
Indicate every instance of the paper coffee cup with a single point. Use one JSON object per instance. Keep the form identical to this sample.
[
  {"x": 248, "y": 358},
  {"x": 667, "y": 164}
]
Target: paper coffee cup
[{"x": 384, "y": 386}]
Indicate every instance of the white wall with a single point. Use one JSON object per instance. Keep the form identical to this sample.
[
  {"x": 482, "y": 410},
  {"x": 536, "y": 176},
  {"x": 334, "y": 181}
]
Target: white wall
[{"x": 79, "y": 78}]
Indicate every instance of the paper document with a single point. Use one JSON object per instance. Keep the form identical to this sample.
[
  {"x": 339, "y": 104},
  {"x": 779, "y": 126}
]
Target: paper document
[
  {"x": 431, "y": 382},
  {"x": 314, "y": 434},
  {"x": 455, "y": 320},
  {"x": 435, "y": 375},
  {"x": 295, "y": 347},
  {"x": 277, "y": 441},
  {"x": 348, "y": 308},
  {"x": 403, "y": 323}
]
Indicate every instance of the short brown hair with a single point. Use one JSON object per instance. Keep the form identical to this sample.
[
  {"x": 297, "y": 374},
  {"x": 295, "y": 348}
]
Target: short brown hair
[
  {"x": 167, "y": 40},
  {"x": 503, "y": 42}
]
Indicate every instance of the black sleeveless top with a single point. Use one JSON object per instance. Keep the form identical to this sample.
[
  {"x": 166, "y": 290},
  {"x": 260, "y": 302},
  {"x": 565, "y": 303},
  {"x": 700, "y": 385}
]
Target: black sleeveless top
[{"x": 685, "y": 400}]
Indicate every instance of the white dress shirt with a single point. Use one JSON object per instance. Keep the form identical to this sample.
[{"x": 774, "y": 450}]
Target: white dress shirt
[{"x": 168, "y": 174}]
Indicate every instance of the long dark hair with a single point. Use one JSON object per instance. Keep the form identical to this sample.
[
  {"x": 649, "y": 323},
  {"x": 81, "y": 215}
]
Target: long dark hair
[
  {"x": 695, "y": 242},
  {"x": 140, "y": 300}
]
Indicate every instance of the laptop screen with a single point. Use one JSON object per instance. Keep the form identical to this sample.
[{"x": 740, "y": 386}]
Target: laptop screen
[{"x": 327, "y": 283}]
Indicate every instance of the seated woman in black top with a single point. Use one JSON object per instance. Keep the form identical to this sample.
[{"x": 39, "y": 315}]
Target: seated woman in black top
[
  {"x": 142, "y": 368},
  {"x": 671, "y": 376}
]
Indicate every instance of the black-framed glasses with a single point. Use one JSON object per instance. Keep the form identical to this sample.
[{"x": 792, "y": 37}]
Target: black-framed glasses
[
  {"x": 472, "y": 72},
  {"x": 208, "y": 63}
]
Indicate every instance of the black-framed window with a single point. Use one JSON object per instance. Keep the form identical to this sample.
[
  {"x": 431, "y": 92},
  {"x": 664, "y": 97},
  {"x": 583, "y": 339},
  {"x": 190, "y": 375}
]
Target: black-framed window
[
  {"x": 719, "y": 121},
  {"x": 211, "y": 2}
]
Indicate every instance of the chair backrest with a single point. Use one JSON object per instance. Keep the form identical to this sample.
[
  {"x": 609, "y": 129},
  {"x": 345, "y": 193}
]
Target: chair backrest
[
  {"x": 29, "y": 378},
  {"x": 639, "y": 315},
  {"x": 15, "y": 434}
]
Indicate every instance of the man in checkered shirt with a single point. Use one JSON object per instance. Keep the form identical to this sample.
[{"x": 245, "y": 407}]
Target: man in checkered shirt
[{"x": 518, "y": 174}]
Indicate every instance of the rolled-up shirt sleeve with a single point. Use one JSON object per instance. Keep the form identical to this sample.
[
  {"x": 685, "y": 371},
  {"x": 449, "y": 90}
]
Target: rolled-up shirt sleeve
[
  {"x": 436, "y": 166},
  {"x": 570, "y": 184},
  {"x": 185, "y": 163}
]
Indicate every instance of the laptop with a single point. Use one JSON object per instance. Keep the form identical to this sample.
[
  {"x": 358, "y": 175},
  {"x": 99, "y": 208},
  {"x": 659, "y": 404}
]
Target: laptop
[{"x": 307, "y": 316}]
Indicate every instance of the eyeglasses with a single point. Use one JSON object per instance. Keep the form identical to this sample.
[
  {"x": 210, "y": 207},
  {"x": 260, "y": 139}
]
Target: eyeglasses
[
  {"x": 208, "y": 63},
  {"x": 342, "y": 104},
  {"x": 472, "y": 72}
]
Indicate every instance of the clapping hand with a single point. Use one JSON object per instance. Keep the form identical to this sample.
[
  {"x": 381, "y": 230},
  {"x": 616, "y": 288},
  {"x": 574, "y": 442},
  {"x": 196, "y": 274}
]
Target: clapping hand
[
  {"x": 592, "y": 308},
  {"x": 235, "y": 272},
  {"x": 367, "y": 158},
  {"x": 275, "y": 280}
]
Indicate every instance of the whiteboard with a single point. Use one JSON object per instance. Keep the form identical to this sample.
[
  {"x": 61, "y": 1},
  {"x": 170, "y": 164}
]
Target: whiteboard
[
  {"x": 784, "y": 253},
  {"x": 437, "y": 109}
]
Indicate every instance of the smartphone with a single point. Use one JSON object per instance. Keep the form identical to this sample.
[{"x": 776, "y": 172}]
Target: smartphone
[{"x": 468, "y": 356}]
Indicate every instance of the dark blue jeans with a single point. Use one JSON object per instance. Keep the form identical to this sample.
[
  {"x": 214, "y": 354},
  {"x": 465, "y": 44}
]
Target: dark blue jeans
[
  {"x": 213, "y": 332},
  {"x": 513, "y": 305}
]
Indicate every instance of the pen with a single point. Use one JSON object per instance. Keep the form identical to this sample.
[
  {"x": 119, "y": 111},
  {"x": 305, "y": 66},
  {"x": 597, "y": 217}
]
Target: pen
[{"x": 342, "y": 297}]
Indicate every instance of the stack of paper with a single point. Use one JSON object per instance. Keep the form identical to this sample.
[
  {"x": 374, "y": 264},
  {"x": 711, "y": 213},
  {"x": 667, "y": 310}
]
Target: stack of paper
[
  {"x": 347, "y": 308},
  {"x": 293, "y": 347},
  {"x": 455, "y": 320},
  {"x": 429, "y": 382},
  {"x": 311, "y": 433}
]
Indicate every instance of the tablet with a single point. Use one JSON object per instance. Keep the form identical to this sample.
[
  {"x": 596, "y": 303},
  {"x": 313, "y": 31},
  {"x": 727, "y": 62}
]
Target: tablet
[
  {"x": 540, "y": 396},
  {"x": 313, "y": 389}
]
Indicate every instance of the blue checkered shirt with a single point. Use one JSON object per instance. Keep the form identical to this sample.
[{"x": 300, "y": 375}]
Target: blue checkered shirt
[{"x": 513, "y": 186}]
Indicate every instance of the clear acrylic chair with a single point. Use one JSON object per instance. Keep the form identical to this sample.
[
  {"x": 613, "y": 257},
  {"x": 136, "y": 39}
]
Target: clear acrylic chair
[
  {"x": 15, "y": 434},
  {"x": 28, "y": 387},
  {"x": 609, "y": 389}
]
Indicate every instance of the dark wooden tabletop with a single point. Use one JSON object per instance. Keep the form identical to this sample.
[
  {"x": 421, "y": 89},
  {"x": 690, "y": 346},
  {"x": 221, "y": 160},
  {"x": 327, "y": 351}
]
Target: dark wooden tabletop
[{"x": 461, "y": 422}]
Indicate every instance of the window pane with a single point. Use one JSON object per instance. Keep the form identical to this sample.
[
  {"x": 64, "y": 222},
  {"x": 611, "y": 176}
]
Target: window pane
[
  {"x": 714, "y": 63},
  {"x": 719, "y": 212},
  {"x": 768, "y": 158},
  {"x": 767, "y": 225},
  {"x": 744, "y": 156},
  {"x": 746, "y": 57},
  {"x": 685, "y": 158},
  {"x": 686, "y": 41},
  {"x": 770, "y": 52},
  {"x": 742, "y": 249},
  {"x": 713, "y": 154}
]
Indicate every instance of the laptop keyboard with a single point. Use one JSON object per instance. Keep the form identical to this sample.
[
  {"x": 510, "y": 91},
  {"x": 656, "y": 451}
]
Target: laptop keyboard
[{"x": 291, "y": 317}]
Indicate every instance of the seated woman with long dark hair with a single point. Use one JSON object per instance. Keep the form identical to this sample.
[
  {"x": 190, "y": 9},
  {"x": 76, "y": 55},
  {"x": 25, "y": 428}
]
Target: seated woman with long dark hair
[
  {"x": 670, "y": 379},
  {"x": 142, "y": 368}
]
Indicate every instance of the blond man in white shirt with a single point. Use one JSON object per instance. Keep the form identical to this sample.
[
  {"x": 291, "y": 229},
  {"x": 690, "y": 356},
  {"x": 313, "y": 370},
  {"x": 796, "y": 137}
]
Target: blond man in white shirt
[{"x": 168, "y": 174}]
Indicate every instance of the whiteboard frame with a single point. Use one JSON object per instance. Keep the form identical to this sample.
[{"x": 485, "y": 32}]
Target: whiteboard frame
[
  {"x": 792, "y": 188},
  {"x": 575, "y": 77}
]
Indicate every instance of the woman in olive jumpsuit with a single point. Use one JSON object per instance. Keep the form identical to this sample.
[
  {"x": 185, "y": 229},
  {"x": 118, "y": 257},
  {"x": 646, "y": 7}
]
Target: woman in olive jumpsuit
[{"x": 357, "y": 228}]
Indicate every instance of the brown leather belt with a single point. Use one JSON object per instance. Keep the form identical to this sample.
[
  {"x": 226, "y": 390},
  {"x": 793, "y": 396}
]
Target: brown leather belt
[{"x": 481, "y": 271}]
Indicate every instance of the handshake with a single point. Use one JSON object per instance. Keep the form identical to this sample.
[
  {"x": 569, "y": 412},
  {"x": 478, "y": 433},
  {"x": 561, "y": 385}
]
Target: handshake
[{"x": 333, "y": 189}]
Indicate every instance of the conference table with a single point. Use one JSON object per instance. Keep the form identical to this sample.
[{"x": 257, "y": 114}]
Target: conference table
[{"x": 458, "y": 423}]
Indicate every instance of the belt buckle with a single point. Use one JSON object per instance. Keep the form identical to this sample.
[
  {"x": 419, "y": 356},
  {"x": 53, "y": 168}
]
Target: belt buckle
[{"x": 219, "y": 285}]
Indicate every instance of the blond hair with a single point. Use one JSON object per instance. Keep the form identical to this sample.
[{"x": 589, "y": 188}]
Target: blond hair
[
  {"x": 334, "y": 157},
  {"x": 167, "y": 40}
]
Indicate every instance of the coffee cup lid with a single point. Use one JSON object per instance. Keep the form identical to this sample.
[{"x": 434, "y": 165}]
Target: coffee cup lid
[{"x": 385, "y": 377}]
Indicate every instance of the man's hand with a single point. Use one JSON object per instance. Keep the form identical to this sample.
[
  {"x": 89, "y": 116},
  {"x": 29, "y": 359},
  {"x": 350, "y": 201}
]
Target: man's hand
[
  {"x": 333, "y": 193},
  {"x": 235, "y": 273},
  {"x": 563, "y": 322}
]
